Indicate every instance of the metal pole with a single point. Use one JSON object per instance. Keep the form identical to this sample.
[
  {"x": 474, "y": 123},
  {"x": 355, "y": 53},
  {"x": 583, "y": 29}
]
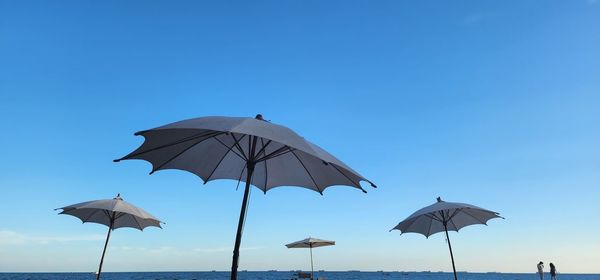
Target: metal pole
[
  {"x": 450, "y": 247},
  {"x": 112, "y": 220},
  {"x": 238, "y": 237},
  {"x": 312, "y": 270}
]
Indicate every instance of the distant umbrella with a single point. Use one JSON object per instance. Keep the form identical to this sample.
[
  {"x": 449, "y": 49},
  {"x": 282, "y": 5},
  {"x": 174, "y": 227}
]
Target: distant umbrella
[
  {"x": 443, "y": 216},
  {"x": 310, "y": 243},
  {"x": 252, "y": 150},
  {"x": 114, "y": 213}
]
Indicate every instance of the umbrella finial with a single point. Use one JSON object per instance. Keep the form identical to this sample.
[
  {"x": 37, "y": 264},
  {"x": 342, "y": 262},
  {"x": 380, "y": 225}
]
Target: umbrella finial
[
  {"x": 119, "y": 196},
  {"x": 439, "y": 199},
  {"x": 260, "y": 118}
]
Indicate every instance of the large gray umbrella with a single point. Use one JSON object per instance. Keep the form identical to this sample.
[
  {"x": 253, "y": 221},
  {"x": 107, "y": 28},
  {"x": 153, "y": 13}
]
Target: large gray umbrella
[
  {"x": 443, "y": 216},
  {"x": 114, "y": 213},
  {"x": 310, "y": 243},
  {"x": 252, "y": 150}
]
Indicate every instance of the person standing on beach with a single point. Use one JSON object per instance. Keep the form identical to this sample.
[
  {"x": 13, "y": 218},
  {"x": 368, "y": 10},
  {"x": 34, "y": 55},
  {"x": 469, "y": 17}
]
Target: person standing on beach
[
  {"x": 540, "y": 267},
  {"x": 552, "y": 272}
]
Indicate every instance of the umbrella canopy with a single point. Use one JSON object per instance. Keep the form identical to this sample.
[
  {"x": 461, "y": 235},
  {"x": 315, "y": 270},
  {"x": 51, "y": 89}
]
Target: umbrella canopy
[
  {"x": 443, "y": 216},
  {"x": 310, "y": 243},
  {"x": 224, "y": 147},
  {"x": 251, "y": 150},
  {"x": 114, "y": 213}
]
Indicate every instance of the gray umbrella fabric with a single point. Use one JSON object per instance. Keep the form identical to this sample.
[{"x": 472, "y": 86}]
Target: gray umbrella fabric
[
  {"x": 443, "y": 216},
  {"x": 310, "y": 243},
  {"x": 249, "y": 150},
  {"x": 221, "y": 148},
  {"x": 113, "y": 213},
  {"x": 430, "y": 220}
]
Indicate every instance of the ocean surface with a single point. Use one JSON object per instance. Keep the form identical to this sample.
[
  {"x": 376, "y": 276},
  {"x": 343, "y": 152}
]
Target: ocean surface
[{"x": 286, "y": 275}]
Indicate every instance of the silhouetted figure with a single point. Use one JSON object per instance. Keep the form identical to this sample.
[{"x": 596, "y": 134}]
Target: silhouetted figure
[
  {"x": 552, "y": 271},
  {"x": 540, "y": 267}
]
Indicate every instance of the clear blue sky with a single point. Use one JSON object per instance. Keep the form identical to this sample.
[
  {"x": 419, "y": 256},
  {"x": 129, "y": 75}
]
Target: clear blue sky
[{"x": 494, "y": 103}]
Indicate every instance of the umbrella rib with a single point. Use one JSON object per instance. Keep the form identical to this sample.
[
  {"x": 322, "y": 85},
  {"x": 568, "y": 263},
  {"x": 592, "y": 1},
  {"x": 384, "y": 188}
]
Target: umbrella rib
[
  {"x": 241, "y": 173},
  {"x": 136, "y": 220},
  {"x": 433, "y": 216},
  {"x": 307, "y": 172},
  {"x": 121, "y": 214},
  {"x": 266, "y": 176},
  {"x": 221, "y": 160},
  {"x": 250, "y": 149},
  {"x": 107, "y": 212},
  {"x": 429, "y": 215},
  {"x": 237, "y": 145},
  {"x": 356, "y": 184},
  {"x": 452, "y": 221},
  {"x": 279, "y": 152},
  {"x": 456, "y": 211},
  {"x": 283, "y": 152},
  {"x": 408, "y": 227},
  {"x": 263, "y": 151},
  {"x": 180, "y": 153},
  {"x": 210, "y": 134},
  {"x": 429, "y": 230},
  {"x": 442, "y": 215},
  {"x": 474, "y": 217},
  {"x": 93, "y": 212},
  {"x": 236, "y": 153}
]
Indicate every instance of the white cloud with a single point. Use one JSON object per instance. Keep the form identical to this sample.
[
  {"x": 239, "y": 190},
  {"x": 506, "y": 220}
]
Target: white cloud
[
  {"x": 180, "y": 251},
  {"x": 223, "y": 249},
  {"x": 213, "y": 250},
  {"x": 146, "y": 250},
  {"x": 8, "y": 237}
]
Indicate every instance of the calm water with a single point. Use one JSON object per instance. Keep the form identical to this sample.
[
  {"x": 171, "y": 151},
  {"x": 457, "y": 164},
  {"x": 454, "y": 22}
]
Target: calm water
[{"x": 288, "y": 275}]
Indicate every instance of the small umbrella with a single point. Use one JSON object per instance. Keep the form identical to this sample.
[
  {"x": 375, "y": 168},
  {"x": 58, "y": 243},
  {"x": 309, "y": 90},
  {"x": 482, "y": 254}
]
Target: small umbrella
[
  {"x": 444, "y": 216},
  {"x": 114, "y": 213},
  {"x": 310, "y": 243},
  {"x": 251, "y": 150}
]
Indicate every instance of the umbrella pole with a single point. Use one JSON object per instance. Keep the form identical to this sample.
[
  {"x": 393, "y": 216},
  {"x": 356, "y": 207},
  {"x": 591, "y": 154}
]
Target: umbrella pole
[
  {"x": 238, "y": 237},
  {"x": 312, "y": 270},
  {"x": 104, "y": 251},
  {"x": 450, "y": 247}
]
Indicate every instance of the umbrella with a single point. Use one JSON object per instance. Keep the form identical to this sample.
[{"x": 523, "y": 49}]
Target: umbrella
[
  {"x": 444, "y": 216},
  {"x": 252, "y": 150},
  {"x": 310, "y": 243},
  {"x": 114, "y": 213}
]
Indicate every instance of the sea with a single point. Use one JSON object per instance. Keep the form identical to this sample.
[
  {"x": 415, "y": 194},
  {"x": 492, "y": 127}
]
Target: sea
[{"x": 287, "y": 275}]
